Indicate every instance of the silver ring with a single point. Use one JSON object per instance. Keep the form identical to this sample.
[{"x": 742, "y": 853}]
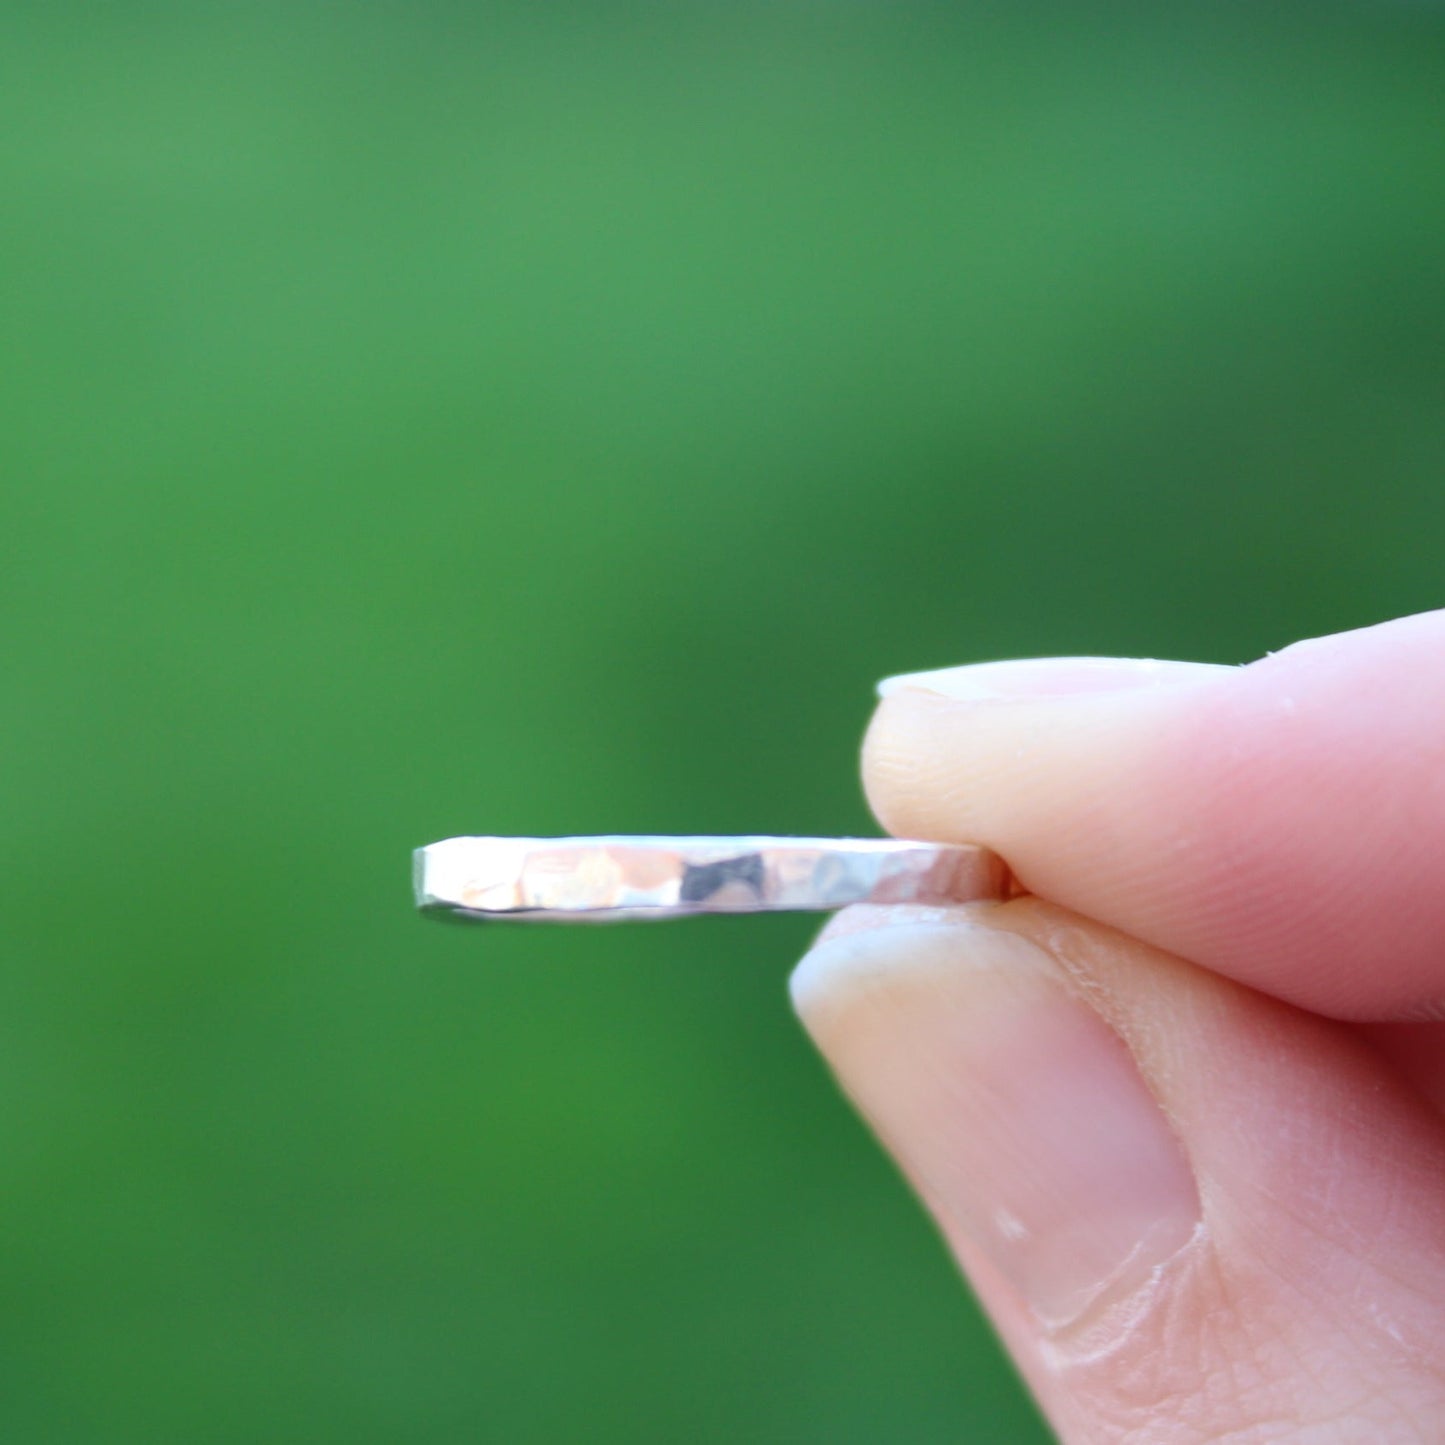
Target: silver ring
[{"x": 601, "y": 879}]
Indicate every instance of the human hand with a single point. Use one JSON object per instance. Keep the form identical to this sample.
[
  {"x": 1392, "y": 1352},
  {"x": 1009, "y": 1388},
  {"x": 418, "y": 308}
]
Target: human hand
[{"x": 1180, "y": 1113}]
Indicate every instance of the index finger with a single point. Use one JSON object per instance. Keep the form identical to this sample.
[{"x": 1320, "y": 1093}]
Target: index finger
[{"x": 1282, "y": 823}]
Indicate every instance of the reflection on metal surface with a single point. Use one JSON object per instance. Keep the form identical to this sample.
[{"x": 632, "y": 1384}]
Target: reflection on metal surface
[{"x": 598, "y": 879}]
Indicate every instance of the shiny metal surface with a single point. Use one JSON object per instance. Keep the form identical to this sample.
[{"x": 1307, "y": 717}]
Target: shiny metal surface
[{"x": 607, "y": 878}]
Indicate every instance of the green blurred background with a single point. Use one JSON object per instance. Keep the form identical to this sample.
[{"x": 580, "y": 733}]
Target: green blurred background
[{"x": 425, "y": 419}]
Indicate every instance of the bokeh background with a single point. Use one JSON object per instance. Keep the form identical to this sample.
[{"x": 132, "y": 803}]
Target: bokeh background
[{"x": 431, "y": 418}]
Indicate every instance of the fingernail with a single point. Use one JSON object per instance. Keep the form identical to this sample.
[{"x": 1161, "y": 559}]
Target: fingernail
[
  {"x": 1036, "y": 677},
  {"x": 1016, "y": 1111}
]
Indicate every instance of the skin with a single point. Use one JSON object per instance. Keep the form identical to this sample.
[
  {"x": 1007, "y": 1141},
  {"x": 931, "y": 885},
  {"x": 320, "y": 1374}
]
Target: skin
[{"x": 1179, "y": 1111}]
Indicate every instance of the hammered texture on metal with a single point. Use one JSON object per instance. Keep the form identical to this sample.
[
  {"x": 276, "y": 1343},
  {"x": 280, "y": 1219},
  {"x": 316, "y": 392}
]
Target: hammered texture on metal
[{"x": 600, "y": 879}]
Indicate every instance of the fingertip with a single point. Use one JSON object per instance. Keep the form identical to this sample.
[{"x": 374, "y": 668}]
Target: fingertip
[
  {"x": 1279, "y": 822},
  {"x": 867, "y": 955},
  {"x": 1005, "y": 1097},
  {"x": 1169, "y": 1190},
  {"x": 899, "y": 755}
]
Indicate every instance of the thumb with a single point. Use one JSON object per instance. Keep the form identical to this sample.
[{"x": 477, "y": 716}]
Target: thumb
[{"x": 1194, "y": 1211}]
